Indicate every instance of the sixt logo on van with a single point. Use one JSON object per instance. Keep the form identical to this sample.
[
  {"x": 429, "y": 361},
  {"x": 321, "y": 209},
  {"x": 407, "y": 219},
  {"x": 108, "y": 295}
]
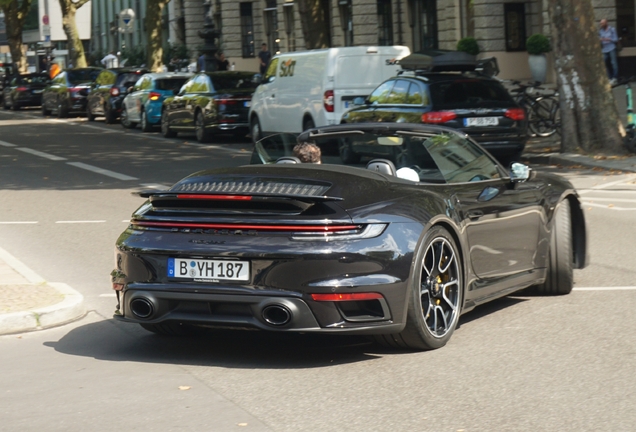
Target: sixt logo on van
[{"x": 287, "y": 68}]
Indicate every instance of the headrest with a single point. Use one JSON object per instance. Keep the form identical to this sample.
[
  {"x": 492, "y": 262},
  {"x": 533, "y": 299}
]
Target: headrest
[{"x": 383, "y": 166}]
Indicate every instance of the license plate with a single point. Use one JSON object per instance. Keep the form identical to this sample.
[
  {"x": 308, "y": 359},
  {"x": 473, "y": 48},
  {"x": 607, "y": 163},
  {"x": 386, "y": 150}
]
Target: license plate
[
  {"x": 247, "y": 104},
  {"x": 208, "y": 270},
  {"x": 481, "y": 121}
]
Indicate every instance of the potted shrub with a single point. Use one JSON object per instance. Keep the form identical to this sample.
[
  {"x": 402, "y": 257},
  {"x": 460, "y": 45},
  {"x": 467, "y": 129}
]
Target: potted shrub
[
  {"x": 468, "y": 45},
  {"x": 537, "y": 45}
]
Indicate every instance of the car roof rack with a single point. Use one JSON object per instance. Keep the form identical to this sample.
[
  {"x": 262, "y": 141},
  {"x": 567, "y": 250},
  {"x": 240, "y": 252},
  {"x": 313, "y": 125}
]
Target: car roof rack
[{"x": 439, "y": 61}]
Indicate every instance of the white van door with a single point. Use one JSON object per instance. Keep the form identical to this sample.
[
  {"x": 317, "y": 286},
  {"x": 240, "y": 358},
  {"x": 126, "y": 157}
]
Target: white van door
[{"x": 264, "y": 100}]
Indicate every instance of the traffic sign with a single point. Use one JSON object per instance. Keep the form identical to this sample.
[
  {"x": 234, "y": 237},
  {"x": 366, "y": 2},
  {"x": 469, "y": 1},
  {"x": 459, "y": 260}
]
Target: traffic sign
[
  {"x": 47, "y": 41},
  {"x": 46, "y": 30},
  {"x": 45, "y": 19},
  {"x": 127, "y": 20}
]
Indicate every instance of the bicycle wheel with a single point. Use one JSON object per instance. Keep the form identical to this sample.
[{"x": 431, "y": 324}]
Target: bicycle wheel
[{"x": 543, "y": 122}]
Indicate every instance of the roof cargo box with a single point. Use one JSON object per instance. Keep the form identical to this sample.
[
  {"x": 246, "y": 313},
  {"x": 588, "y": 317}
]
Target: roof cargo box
[{"x": 440, "y": 61}]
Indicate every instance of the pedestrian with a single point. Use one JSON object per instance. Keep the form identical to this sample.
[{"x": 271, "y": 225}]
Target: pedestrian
[
  {"x": 307, "y": 153},
  {"x": 222, "y": 62},
  {"x": 54, "y": 69},
  {"x": 110, "y": 60},
  {"x": 609, "y": 39},
  {"x": 264, "y": 57}
]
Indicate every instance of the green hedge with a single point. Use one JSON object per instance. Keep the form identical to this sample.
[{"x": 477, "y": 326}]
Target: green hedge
[
  {"x": 468, "y": 45},
  {"x": 538, "y": 44}
]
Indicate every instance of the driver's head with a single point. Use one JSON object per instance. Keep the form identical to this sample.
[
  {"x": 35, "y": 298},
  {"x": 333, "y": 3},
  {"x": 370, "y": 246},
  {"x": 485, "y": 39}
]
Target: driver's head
[{"x": 307, "y": 152}]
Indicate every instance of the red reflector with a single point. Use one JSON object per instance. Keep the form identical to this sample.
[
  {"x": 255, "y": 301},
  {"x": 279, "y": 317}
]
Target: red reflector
[
  {"x": 516, "y": 113},
  {"x": 118, "y": 287},
  {"x": 216, "y": 197},
  {"x": 328, "y": 101},
  {"x": 21, "y": 89},
  {"x": 300, "y": 228},
  {"x": 437, "y": 117},
  {"x": 114, "y": 91},
  {"x": 346, "y": 297},
  {"x": 153, "y": 96},
  {"x": 225, "y": 101}
]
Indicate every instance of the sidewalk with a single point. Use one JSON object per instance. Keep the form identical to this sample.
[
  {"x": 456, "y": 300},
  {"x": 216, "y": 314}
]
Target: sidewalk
[{"x": 28, "y": 302}]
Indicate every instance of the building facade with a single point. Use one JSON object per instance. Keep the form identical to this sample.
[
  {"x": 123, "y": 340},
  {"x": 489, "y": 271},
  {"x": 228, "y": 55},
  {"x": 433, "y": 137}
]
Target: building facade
[{"x": 501, "y": 27}]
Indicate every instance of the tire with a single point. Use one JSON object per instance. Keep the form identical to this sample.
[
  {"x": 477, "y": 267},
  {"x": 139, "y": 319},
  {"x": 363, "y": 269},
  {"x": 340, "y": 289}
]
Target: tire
[
  {"x": 559, "y": 278},
  {"x": 5, "y": 105},
  {"x": 435, "y": 295},
  {"x": 168, "y": 328},
  {"x": 545, "y": 112},
  {"x": 124, "y": 119},
  {"x": 165, "y": 129},
  {"x": 255, "y": 130},
  {"x": 61, "y": 112},
  {"x": 308, "y": 124},
  {"x": 45, "y": 112},
  {"x": 203, "y": 134},
  {"x": 14, "y": 106},
  {"x": 145, "y": 125},
  {"x": 110, "y": 117},
  {"x": 89, "y": 113}
]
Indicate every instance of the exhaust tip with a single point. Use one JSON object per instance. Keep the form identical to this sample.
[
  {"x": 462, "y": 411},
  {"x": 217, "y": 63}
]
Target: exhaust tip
[
  {"x": 141, "y": 307},
  {"x": 277, "y": 315}
]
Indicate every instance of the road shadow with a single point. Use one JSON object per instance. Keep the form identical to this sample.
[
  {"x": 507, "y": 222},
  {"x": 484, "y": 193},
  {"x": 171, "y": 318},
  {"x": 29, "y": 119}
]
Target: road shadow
[{"x": 110, "y": 340}]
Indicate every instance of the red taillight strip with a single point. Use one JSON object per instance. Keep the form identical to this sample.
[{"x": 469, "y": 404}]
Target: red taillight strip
[
  {"x": 216, "y": 197},
  {"x": 347, "y": 297},
  {"x": 306, "y": 228}
]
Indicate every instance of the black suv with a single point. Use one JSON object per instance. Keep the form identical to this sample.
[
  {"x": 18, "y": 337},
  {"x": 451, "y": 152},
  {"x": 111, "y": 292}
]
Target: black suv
[
  {"x": 108, "y": 91},
  {"x": 448, "y": 91}
]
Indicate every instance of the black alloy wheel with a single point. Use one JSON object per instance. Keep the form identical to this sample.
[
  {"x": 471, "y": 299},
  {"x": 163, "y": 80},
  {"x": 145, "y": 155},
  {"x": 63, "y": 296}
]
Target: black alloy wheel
[
  {"x": 5, "y": 105},
  {"x": 61, "y": 111},
  {"x": 110, "y": 116},
  {"x": 45, "y": 112},
  {"x": 435, "y": 299},
  {"x": 203, "y": 133},
  {"x": 145, "y": 125},
  {"x": 15, "y": 106},
  {"x": 165, "y": 128}
]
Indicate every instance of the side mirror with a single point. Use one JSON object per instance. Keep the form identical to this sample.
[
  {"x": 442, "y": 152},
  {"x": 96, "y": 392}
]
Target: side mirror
[
  {"x": 257, "y": 79},
  {"x": 359, "y": 101},
  {"x": 519, "y": 172},
  {"x": 129, "y": 90}
]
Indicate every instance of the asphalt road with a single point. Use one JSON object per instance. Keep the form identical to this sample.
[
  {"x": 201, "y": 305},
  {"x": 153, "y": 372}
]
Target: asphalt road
[{"x": 519, "y": 363}]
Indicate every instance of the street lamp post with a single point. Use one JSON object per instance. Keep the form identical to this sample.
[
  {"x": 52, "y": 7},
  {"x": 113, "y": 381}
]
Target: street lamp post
[{"x": 209, "y": 35}]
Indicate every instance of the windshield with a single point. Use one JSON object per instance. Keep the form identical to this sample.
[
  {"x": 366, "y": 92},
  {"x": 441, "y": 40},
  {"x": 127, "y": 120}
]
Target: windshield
[
  {"x": 234, "y": 81},
  {"x": 128, "y": 79},
  {"x": 416, "y": 156},
  {"x": 33, "y": 80},
  {"x": 78, "y": 76},
  {"x": 170, "y": 83},
  {"x": 469, "y": 93}
]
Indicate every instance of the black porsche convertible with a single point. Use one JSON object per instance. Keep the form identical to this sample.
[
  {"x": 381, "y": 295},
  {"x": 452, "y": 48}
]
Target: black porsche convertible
[{"x": 415, "y": 226}]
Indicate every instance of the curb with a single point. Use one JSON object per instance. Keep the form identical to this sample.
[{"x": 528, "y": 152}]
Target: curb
[
  {"x": 572, "y": 159},
  {"x": 69, "y": 309}
]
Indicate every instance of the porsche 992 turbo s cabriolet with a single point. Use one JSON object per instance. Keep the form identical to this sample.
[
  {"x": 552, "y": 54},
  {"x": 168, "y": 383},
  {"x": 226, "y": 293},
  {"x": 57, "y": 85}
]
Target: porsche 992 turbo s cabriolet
[{"x": 419, "y": 227}]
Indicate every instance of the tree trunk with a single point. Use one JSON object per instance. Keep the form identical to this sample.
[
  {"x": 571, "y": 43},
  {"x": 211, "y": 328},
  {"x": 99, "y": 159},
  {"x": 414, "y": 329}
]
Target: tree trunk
[
  {"x": 153, "y": 34},
  {"x": 14, "y": 16},
  {"x": 76, "y": 55},
  {"x": 313, "y": 18},
  {"x": 589, "y": 118}
]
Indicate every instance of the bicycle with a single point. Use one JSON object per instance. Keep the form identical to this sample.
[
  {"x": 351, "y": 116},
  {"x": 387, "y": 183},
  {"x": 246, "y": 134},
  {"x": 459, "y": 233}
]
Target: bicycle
[
  {"x": 630, "y": 128},
  {"x": 544, "y": 117}
]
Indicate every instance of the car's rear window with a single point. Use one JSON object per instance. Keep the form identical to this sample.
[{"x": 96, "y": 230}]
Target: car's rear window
[
  {"x": 77, "y": 76},
  {"x": 243, "y": 81},
  {"x": 170, "y": 83},
  {"x": 469, "y": 93},
  {"x": 127, "y": 79}
]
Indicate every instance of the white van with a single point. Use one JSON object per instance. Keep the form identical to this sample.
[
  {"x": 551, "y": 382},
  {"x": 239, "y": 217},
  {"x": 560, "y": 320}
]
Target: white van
[{"x": 304, "y": 89}]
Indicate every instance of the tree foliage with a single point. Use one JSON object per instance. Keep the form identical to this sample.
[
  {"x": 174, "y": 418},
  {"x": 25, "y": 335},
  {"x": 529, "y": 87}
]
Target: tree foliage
[
  {"x": 589, "y": 115},
  {"x": 74, "y": 43},
  {"x": 314, "y": 17},
  {"x": 15, "y": 13}
]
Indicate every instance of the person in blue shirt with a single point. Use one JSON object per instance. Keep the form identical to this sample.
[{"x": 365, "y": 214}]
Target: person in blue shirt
[{"x": 609, "y": 39}]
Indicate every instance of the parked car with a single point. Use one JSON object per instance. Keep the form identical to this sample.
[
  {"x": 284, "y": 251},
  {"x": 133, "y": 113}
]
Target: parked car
[
  {"x": 108, "y": 91},
  {"x": 7, "y": 70},
  {"x": 142, "y": 104},
  {"x": 25, "y": 90},
  {"x": 66, "y": 94},
  {"x": 453, "y": 96},
  {"x": 396, "y": 246},
  {"x": 208, "y": 103},
  {"x": 306, "y": 88}
]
